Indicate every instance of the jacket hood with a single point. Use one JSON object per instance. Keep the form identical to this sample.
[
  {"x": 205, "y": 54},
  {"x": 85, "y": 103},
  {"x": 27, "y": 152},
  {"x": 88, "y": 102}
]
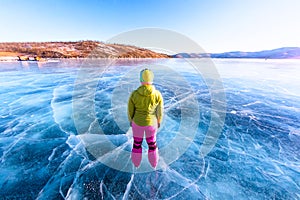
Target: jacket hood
[{"x": 146, "y": 90}]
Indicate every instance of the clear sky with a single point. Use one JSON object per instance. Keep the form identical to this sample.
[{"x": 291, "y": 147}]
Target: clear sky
[{"x": 216, "y": 25}]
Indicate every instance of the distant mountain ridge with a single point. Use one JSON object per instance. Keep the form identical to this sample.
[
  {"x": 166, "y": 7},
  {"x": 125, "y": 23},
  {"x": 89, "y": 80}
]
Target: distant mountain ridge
[
  {"x": 79, "y": 49},
  {"x": 88, "y": 48},
  {"x": 280, "y": 53}
]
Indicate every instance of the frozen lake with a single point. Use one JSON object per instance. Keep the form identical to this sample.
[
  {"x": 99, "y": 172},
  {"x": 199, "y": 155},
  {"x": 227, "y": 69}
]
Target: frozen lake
[{"x": 64, "y": 132}]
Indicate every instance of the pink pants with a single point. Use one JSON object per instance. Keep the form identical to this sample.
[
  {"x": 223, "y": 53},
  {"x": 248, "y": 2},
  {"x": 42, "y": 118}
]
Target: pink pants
[{"x": 138, "y": 136}]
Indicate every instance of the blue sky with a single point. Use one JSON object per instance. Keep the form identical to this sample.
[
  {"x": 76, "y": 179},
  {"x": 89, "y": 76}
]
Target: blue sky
[{"x": 216, "y": 25}]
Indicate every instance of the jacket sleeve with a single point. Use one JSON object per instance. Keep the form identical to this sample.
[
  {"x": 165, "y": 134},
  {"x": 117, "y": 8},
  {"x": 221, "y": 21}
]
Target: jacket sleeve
[
  {"x": 160, "y": 108},
  {"x": 130, "y": 108}
]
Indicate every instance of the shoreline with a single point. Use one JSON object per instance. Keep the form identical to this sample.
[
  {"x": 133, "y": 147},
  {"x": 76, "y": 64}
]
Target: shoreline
[{"x": 4, "y": 59}]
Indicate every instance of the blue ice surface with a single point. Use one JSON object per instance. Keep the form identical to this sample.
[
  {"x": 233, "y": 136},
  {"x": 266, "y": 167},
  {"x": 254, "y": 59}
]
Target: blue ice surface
[{"x": 42, "y": 156}]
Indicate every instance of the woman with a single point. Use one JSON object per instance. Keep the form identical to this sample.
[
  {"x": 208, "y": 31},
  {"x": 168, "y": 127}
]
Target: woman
[{"x": 145, "y": 112}]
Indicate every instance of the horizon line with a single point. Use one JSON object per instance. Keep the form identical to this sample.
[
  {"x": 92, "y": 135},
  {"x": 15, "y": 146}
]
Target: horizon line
[{"x": 91, "y": 40}]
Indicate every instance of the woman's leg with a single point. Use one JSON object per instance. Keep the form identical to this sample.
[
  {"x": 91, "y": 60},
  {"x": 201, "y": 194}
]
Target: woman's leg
[
  {"x": 151, "y": 141},
  {"x": 138, "y": 134}
]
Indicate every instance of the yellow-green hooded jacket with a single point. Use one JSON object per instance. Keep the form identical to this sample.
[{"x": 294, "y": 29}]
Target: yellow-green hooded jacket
[{"x": 145, "y": 106}]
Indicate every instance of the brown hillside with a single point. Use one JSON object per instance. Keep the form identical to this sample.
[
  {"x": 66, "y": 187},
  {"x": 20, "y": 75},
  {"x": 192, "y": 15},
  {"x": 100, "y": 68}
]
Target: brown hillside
[{"x": 80, "y": 49}]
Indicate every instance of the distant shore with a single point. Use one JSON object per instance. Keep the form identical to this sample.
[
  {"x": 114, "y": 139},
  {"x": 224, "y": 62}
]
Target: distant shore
[
  {"x": 81, "y": 49},
  {"x": 42, "y": 51}
]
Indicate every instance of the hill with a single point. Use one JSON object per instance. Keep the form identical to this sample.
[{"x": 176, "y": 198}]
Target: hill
[
  {"x": 79, "y": 49},
  {"x": 280, "y": 53},
  {"x": 84, "y": 49}
]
